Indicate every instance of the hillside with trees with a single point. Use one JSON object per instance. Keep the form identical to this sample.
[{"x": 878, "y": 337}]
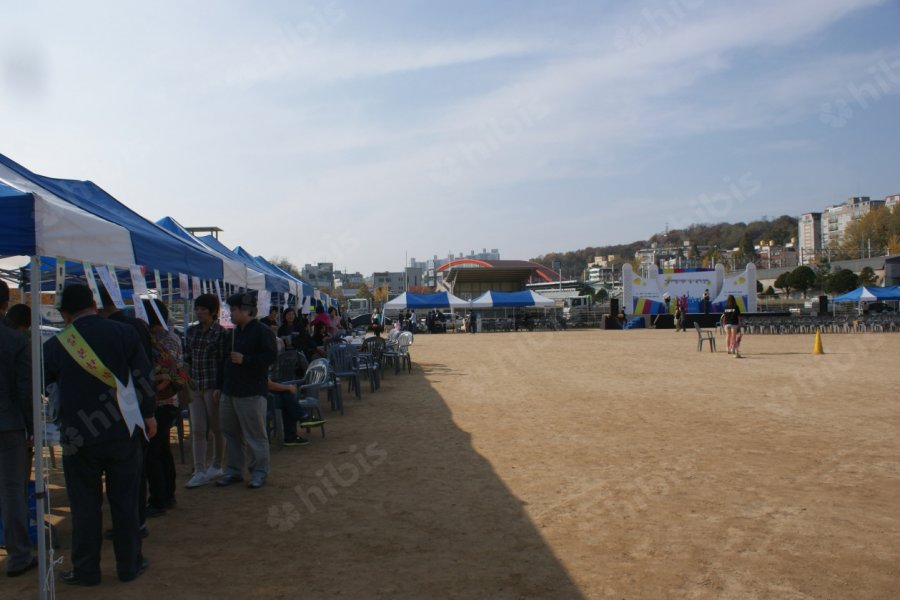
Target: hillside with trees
[{"x": 722, "y": 235}]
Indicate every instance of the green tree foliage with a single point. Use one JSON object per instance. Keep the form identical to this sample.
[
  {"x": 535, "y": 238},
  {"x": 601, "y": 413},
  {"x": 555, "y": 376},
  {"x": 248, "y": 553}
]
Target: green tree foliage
[
  {"x": 364, "y": 292},
  {"x": 875, "y": 230},
  {"x": 783, "y": 283},
  {"x": 770, "y": 291},
  {"x": 841, "y": 282},
  {"x": 867, "y": 276},
  {"x": 803, "y": 278},
  {"x": 724, "y": 235}
]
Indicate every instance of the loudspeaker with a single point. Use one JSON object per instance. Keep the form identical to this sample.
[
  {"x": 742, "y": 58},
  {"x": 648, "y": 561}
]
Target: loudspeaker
[
  {"x": 823, "y": 305},
  {"x": 613, "y": 306}
]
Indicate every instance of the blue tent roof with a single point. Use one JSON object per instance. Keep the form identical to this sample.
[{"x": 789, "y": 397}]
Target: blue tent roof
[
  {"x": 153, "y": 247},
  {"x": 870, "y": 294},
  {"x": 17, "y": 224},
  {"x": 511, "y": 299},
  {"x": 439, "y": 300}
]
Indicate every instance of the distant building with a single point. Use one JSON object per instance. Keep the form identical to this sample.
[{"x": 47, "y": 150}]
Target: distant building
[
  {"x": 891, "y": 202},
  {"x": 469, "y": 277},
  {"x": 320, "y": 275},
  {"x": 431, "y": 266},
  {"x": 809, "y": 237},
  {"x": 392, "y": 280},
  {"x": 836, "y": 219}
]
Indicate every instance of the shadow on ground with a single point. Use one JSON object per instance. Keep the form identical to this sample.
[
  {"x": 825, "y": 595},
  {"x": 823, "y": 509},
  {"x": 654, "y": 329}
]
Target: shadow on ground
[{"x": 393, "y": 503}]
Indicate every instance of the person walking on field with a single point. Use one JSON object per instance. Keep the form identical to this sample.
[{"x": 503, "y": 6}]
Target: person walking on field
[{"x": 731, "y": 318}]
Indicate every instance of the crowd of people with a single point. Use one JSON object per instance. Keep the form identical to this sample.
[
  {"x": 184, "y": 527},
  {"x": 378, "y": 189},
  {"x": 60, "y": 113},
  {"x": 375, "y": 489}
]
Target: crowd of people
[{"x": 118, "y": 384}]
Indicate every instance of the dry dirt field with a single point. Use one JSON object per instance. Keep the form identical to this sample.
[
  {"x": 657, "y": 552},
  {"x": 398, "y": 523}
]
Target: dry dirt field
[{"x": 579, "y": 464}]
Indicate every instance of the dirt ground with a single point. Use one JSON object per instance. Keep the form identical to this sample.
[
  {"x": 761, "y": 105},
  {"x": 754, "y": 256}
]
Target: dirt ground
[{"x": 579, "y": 464}]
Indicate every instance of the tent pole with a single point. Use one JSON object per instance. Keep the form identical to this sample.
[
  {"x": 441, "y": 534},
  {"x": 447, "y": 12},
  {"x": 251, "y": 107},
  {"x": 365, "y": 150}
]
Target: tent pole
[{"x": 37, "y": 412}]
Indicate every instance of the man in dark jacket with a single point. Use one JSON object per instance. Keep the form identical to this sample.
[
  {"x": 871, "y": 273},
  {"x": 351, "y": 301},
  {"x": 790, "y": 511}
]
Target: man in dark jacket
[
  {"x": 103, "y": 376},
  {"x": 242, "y": 408},
  {"x": 15, "y": 429}
]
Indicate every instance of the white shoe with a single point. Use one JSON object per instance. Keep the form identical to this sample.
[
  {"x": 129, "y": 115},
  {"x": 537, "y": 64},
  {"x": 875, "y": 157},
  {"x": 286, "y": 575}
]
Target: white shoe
[
  {"x": 199, "y": 478},
  {"x": 214, "y": 473}
]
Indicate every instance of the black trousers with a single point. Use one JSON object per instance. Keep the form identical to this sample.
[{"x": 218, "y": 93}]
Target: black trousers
[
  {"x": 120, "y": 463},
  {"x": 160, "y": 462}
]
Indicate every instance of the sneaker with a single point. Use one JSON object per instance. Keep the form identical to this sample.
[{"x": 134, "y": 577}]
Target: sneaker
[
  {"x": 737, "y": 354},
  {"x": 311, "y": 422},
  {"x": 213, "y": 473},
  {"x": 296, "y": 441},
  {"x": 199, "y": 478},
  {"x": 255, "y": 483},
  {"x": 228, "y": 480}
]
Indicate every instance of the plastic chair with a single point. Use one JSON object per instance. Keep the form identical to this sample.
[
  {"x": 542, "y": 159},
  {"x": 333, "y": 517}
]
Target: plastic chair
[
  {"x": 709, "y": 337},
  {"x": 345, "y": 364},
  {"x": 371, "y": 361},
  {"x": 329, "y": 384}
]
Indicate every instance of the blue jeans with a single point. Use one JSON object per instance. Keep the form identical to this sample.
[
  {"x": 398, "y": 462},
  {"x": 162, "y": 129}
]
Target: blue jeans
[{"x": 291, "y": 412}]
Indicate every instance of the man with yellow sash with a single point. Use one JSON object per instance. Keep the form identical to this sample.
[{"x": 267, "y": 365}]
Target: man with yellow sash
[{"x": 106, "y": 407}]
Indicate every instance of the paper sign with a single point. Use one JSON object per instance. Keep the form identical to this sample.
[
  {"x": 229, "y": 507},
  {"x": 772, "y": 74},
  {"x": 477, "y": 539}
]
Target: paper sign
[
  {"x": 139, "y": 290},
  {"x": 171, "y": 289},
  {"x": 158, "y": 279},
  {"x": 92, "y": 283},
  {"x": 60, "y": 278},
  {"x": 108, "y": 279},
  {"x": 218, "y": 291},
  {"x": 183, "y": 286},
  {"x": 159, "y": 317},
  {"x": 263, "y": 301},
  {"x": 225, "y": 316},
  {"x": 195, "y": 286}
]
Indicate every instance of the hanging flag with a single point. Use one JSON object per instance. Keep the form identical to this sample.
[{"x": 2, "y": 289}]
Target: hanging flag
[
  {"x": 139, "y": 291},
  {"x": 92, "y": 283},
  {"x": 108, "y": 279},
  {"x": 183, "y": 286}
]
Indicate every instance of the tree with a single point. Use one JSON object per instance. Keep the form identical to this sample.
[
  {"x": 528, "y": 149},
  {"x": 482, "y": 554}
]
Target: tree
[
  {"x": 364, "y": 292},
  {"x": 802, "y": 278},
  {"x": 283, "y": 263},
  {"x": 759, "y": 287},
  {"x": 602, "y": 295},
  {"x": 770, "y": 291},
  {"x": 823, "y": 271},
  {"x": 842, "y": 282},
  {"x": 746, "y": 251},
  {"x": 380, "y": 295},
  {"x": 867, "y": 276},
  {"x": 784, "y": 283}
]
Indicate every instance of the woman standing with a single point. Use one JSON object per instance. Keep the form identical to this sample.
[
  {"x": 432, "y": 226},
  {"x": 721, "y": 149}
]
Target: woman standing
[
  {"x": 732, "y": 320},
  {"x": 169, "y": 378}
]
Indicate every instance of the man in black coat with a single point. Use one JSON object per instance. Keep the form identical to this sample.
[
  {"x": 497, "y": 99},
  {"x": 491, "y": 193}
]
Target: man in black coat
[
  {"x": 96, "y": 440},
  {"x": 15, "y": 430}
]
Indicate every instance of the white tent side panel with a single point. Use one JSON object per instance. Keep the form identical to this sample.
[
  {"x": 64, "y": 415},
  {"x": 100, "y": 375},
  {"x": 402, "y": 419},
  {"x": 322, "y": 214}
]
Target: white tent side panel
[{"x": 65, "y": 230}]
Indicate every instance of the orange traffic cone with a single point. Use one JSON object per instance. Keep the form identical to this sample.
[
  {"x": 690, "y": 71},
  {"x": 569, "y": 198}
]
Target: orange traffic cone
[{"x": 817, "y": 347}]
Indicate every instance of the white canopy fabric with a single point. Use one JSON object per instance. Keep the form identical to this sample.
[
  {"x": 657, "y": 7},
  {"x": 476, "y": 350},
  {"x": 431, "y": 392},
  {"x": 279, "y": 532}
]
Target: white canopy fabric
[
  {"x": 63, "y": 229},
  {"x": 523, "y": 299},
  {"x": 439, "y": 300}
]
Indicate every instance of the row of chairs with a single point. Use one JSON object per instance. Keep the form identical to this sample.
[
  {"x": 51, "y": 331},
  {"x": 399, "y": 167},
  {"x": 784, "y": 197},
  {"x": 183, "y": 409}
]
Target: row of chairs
[{"x": 786, "y": 325}]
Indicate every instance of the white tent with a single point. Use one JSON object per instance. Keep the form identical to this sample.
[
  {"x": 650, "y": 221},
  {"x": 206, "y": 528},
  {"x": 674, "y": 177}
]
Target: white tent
[
  {"x": 525, "y": 299},
  {"x": 439, "y": 300}
]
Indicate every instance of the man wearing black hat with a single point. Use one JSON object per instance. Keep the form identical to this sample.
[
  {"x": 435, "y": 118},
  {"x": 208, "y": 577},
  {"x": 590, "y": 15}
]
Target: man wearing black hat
[
  {"x": 15, "y": 429},
  {"x": 105, "y": 393},
  {"x": 242, "y": 407}
]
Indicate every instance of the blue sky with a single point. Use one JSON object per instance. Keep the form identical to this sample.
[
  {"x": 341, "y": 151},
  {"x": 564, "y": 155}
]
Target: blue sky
[{"x": 359, "y": 132}]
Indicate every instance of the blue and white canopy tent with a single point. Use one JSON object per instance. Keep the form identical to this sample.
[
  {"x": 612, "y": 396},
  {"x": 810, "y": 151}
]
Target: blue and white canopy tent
[
  {"x": 235, "y": 272},
  {"x": 870, "y": 294},
  {"x": 524, "y": 299},
  {"x": 438, "y": 300},
  {"x": 45, "y": 217}
]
